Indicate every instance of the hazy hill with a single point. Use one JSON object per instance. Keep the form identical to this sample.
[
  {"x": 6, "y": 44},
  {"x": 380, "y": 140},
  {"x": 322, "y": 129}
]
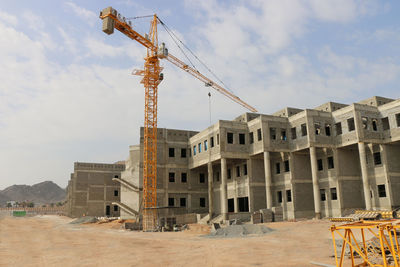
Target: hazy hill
[{"x": 41, "y": 193}]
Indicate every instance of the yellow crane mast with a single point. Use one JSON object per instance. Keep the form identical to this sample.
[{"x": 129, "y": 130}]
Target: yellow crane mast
[{"x": 151, "y": 78}]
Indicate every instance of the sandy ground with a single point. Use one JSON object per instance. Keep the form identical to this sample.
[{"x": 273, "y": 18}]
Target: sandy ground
[{"x": 51, "y": 241}]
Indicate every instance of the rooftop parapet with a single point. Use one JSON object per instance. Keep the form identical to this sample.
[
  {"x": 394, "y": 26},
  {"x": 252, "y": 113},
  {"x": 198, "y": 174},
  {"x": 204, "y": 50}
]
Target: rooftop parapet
[
  {"x": 376, "y": 101},
  {"x": 287, "y": 112},
  {"x": 330, "y": 106}
]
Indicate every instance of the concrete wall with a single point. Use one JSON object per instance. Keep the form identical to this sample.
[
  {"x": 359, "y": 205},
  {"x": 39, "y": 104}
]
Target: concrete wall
[{"x": 92, "y": 189}]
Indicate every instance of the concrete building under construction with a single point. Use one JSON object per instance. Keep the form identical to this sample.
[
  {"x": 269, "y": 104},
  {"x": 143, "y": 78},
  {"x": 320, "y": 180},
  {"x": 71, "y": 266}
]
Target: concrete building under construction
[
  {"x": 93, "y": 191},
  {"x": 312, "y": 163}
]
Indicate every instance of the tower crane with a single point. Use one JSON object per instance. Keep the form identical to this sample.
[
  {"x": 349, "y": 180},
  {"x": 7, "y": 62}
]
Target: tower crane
[{"x": 152, "y": 77}]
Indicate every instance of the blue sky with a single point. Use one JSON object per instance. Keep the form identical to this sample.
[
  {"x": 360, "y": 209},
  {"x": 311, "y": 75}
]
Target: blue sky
[{"x": 67, "y": 94}]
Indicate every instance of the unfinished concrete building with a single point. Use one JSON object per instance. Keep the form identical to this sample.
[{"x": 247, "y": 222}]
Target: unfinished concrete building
[
  {"x": 93, "y": 191},
  {"x": 312, "y": 163}
]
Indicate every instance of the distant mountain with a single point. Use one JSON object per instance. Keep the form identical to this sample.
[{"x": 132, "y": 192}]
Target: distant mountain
[
  {"x": 41, "y": 193},
  {"x": 3, "y": 199}
]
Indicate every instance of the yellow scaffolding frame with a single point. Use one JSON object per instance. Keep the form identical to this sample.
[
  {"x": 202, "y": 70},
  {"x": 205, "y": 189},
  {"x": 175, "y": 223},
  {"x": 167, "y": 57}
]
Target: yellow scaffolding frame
[{"x": 368, "y": 251}]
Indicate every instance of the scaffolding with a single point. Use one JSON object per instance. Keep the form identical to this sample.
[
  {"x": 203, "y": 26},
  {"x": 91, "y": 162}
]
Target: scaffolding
[{"x": 382, "y": 249}]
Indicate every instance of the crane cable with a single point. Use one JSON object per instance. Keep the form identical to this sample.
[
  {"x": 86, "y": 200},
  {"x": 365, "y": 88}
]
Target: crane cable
[
  {"x": 139, "y": 17},
  {"x": 171, "y": 34},
  {"x": 194, "y": 55}
]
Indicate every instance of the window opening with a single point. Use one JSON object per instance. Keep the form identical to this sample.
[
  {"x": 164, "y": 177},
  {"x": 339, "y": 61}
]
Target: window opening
[
  {"x": 229, "y": 138},
  {"x": 350, "y": 124},
  {"x": 202, "y": 178},
  {"x": 242, "y": 140},
  {"x": 278, "y": 168},
  {"x": 381, "y": 190},
  {"x": 171, "y": 177},
  {"x": 293, "y": 133},
  {"x": 317, "y": 127},
  {"x": 377, "y": 158},
  {"x": 279, "y": 196},
  {"x": 323, "y": 195},
  {"x": 231, "y": 205},
  {"x": 320, "y": 164},
  {"x": 304, "y": 129},
  {"x": 171, "y": 152},
  {"x": 328, "y": 129},
  {"x": 333, "y": 193},
  {"x": 375, "y": 125},
  {"x": 287, "y": 167},
  {"x": 259, "y": 137},
  {"x": 289, "y": 195},
  {"x": 330, "y": 163},
  {"x": 183, "y": 177},
  {"x": 182, "y": 202},
  {"x": 283, "y": 134},
  {"x": 243, "y": 203},
  {"x": 272, "y": 133},
  {"x": 364, "y": 121},
  {"x": 202, "y": 202},
  {"x": 183, "y": 153}
]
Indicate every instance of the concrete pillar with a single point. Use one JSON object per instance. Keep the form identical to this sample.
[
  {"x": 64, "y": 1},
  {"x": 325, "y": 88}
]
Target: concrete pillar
[
  {"x": 223, "y": 195},
  {"x": 268, "y": 181},
  {"x": 235, "y": 198},
  {"x": 314, "y": 173},
  {"x": 210, "y": 190},
  {"x": 364, "y": 174}
]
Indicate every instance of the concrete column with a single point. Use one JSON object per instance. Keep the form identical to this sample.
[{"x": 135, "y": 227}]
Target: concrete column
[
  {"x": 364, "y": 174},
  {"x": 268, "y": 181},
  {"x": 223, "y": 195},
  {"x": 235, "y": 198},
  {"x": 189, "y": 202},
  {"x": 314, "y": 173},
  {"x": 210, "y": 190}
]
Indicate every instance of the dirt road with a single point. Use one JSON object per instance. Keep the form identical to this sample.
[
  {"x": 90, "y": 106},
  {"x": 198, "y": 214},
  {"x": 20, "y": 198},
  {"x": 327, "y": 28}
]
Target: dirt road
[{"x": 51, "y": 241}]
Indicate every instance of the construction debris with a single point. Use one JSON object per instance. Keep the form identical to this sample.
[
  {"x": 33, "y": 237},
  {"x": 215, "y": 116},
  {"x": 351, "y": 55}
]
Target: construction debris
[
  {"x": 240, "y": 231},
  {"x": 85, "y": 219}
]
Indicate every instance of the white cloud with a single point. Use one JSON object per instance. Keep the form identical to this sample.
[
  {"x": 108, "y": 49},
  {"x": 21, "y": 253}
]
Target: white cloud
[
  {"x": 335, "y": 11},
  {"x": 83, "y": 13},
  {"x": 98, "y": 48},
  {"x": 9, "y": 19},
  {"x": 69, "y": 42},
  {"x": 33, "y": 21}
]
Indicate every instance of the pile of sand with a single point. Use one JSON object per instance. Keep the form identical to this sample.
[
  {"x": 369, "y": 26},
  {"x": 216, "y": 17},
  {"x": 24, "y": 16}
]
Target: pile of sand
[{"x": 240, "y": 231}]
